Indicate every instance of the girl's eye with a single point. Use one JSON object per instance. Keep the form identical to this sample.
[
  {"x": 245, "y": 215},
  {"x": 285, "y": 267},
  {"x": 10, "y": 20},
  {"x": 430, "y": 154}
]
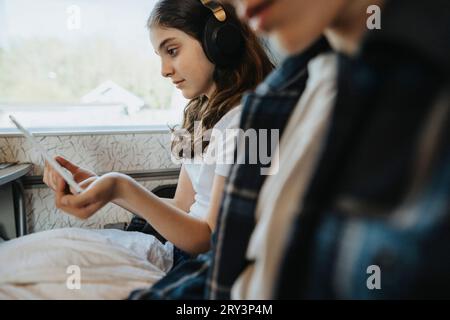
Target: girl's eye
[{"x": 172, "y": 52}]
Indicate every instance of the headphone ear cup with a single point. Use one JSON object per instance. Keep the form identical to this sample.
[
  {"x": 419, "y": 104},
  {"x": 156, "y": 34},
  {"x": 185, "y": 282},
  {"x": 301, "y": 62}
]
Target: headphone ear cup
[{"x": 222, "y": 42}]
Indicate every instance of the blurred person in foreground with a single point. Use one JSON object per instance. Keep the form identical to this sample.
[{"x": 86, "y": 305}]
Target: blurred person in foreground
[{"x": 359, "y": 204}]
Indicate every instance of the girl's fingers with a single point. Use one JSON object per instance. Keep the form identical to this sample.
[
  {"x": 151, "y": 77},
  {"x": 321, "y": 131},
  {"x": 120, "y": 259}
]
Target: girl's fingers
[
  {"x": 46, "y": 178},
  {"x": 60, "y": 186},
  {"x": 55, "y": 177},
  {"x": 51, "y": 180},
  {"x": 84, "y": 204},
  {"x": 86, "y": 212},
  {"x": 78, "y": 201},
  {"x": 82, "y": 213},
  {"x": 86, "y": 183},
  {"x": 67, "y": 164},
  {"x": 70, "y": 204}
]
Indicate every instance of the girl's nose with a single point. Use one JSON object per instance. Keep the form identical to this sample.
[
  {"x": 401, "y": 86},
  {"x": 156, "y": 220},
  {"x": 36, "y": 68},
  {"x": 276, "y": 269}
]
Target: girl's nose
[{"x": 166, "y": 70}]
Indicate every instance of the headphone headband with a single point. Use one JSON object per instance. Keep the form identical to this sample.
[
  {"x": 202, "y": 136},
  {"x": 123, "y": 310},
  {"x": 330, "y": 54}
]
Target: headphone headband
[{"x": 216, "y": 9}]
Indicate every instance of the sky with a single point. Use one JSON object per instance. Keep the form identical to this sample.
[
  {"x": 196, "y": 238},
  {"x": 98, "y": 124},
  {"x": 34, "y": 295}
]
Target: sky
[{"x": 124, "y": 21}]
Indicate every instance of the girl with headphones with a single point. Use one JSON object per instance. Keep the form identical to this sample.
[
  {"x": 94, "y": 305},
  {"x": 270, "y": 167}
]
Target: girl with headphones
[{"x": 213, "y": 58}]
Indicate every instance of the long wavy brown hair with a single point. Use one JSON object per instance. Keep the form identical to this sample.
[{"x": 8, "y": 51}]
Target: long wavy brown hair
[{"x": 190, "y": 16}]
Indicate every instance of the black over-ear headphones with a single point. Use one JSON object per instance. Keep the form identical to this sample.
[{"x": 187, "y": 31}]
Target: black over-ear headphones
[{"x": 223, "y": 42}]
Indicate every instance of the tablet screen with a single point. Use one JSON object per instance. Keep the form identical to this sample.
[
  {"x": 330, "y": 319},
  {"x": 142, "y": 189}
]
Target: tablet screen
[{"x": 55, "y": 165}]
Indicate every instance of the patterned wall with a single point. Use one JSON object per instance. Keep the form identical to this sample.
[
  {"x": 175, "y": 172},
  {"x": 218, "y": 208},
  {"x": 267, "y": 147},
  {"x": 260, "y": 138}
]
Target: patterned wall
[{"x": 99, "y": 153}]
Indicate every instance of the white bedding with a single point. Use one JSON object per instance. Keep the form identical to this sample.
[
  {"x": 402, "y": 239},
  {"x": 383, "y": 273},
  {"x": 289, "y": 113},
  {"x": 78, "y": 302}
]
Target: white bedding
[{"x": 112, "y": 263}]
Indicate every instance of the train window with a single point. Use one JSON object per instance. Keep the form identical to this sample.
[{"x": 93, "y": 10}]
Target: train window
[{"x": 82, "y": 64}]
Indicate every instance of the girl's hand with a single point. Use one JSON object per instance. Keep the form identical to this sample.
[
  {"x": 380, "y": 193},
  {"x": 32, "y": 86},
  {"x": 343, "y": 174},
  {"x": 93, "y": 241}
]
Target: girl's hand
[
  {"x": 100, "y": 192},
  {"x": 82, "y": 176}
]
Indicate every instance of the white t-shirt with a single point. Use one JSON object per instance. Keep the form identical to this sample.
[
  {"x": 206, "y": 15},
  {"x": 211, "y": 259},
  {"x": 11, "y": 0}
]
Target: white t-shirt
[
  {"x": 217, "y": 160},
  {"x": 281, "y": 193}
]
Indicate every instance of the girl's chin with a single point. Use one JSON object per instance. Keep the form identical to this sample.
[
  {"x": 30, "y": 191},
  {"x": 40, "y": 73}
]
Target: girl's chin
[
  {"x": 186, "y": 95},
  {"x": 189, "y": 95}
]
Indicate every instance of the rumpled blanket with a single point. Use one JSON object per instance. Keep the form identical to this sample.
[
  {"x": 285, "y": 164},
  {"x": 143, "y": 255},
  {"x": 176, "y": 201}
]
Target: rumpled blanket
[{"x": 74, "y": 263}]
